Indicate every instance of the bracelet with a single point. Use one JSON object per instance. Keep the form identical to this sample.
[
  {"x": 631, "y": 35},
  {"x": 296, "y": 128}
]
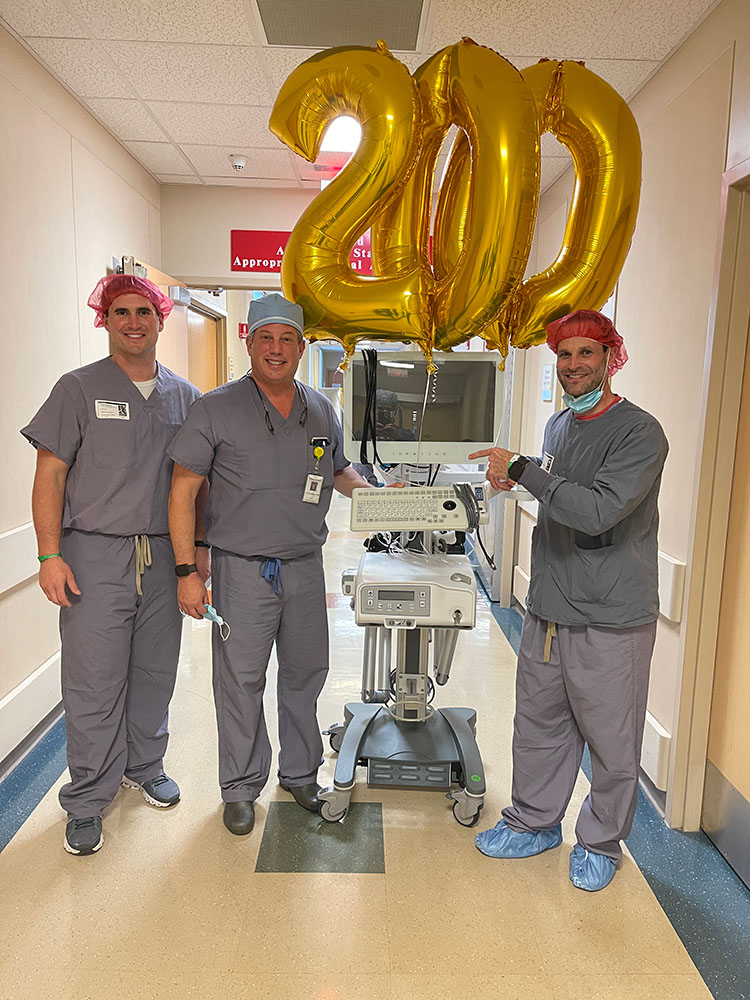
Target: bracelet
[
  {"x": 200, "y": 543},
  {"x": 52, "y": 555}
]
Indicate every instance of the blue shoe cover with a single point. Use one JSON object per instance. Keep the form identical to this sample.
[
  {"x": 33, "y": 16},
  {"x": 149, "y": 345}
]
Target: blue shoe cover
[
  {"x": 590, "y": 871},
  {"x": 502, "y": 842}
]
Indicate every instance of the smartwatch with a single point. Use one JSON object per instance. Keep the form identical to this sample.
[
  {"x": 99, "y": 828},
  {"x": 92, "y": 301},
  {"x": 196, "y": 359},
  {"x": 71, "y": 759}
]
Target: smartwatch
[
  {"x": 516, "y": 466},
  {"x": 185, "y": 569}
]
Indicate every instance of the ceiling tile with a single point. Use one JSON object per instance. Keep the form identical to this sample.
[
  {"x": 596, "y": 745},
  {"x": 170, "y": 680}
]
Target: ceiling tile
[
  {"x": 127, "y": 119},
  {"x": 82, "y": 66},
  {"x": 45, "y": 18},
  {"x": 552, "y": 167},
  {"x": 214, "y": 161},
  {"x": 166, "y": 21},
  {"x": 650, "y": 29},
  {"x": 565, "y": 28},
  {"x": 281, "y": 62},
  {"x": 627, "y": 76},
  {"x": 159, "y": 157},
  {"x": 551, "y": 147},
  {"x": 213, "y": 74},
  {"x": 223, "y": 124}
]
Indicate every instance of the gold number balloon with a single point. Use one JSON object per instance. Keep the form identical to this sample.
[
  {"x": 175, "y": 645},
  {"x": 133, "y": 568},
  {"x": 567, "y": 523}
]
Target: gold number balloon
[
  {"x": 378, "y": 90},
  {"x": 486, "y": 208},
  {"x": 400, "y": 236},
  {"x": 494, "y": 107},
  {"x": 598, "y": 128}
]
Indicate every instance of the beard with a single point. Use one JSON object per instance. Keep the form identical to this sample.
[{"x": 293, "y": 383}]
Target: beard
[{"x": 595, "y": 380}]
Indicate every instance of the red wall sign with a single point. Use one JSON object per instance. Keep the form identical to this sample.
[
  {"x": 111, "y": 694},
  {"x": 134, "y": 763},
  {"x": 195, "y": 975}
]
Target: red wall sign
[{"x": 260, "y": 251}]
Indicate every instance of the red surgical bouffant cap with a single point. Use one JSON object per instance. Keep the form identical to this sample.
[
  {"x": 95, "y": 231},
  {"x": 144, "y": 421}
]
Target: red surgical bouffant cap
[
  {"x": 112, "y": 285},
  {"x": 593, "y": 326}
]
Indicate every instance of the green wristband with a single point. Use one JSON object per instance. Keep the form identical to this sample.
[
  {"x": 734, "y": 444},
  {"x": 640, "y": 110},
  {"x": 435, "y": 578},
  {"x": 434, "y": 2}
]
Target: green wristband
[{"x": 52, "y": 555}]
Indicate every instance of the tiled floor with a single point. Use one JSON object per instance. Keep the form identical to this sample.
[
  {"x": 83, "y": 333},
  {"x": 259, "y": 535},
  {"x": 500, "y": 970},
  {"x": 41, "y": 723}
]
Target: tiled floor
[{"x": 174, "y": 906}]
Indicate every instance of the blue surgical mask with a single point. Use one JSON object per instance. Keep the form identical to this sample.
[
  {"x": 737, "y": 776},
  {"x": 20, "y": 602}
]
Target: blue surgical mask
[
  {"x": 212, "y": 615},
  {"x": 582, "y": 404}
]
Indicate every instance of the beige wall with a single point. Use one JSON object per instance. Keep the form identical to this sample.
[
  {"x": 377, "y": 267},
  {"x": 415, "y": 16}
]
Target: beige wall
[
  {"x": 694, "y": 117},
  {"x": 73, "y": 199},
  {"x": 196, "y": 227}
]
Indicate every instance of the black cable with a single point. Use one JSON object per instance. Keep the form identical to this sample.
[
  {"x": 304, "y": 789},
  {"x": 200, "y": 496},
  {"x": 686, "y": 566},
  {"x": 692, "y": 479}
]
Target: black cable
[{"x": 487, "y": 556}]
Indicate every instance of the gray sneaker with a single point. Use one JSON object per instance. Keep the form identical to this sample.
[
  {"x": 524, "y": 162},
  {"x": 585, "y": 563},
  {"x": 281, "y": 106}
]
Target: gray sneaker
[
  {"x": 83, "y": 836},
  {"x": 160, "y": 791}
]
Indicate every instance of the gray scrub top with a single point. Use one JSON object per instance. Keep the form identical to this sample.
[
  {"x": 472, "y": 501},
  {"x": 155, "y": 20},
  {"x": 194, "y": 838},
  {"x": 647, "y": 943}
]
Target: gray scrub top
[
  {"x": 257, "y": 478},
  {"x": 115, "y": 442},
  {"x": 594, "y": 551}
]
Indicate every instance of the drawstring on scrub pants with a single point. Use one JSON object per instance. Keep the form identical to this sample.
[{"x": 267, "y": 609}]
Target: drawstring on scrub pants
[
  {"x": 142, "y": 559},
  {"x": 271, "y": 573},
  {"x": 551, "y": 633}
]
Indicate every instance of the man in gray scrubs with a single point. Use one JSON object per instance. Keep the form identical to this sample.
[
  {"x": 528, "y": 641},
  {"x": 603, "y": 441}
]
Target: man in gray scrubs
[
  {"x": 589, "y": 630},
  {"x": 100, "y": 514},
  {"x": 271, "y": 448}
]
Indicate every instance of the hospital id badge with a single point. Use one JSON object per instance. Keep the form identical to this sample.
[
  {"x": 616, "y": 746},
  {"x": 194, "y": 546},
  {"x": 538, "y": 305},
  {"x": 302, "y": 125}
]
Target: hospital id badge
[{"x": 313, "y": 489}]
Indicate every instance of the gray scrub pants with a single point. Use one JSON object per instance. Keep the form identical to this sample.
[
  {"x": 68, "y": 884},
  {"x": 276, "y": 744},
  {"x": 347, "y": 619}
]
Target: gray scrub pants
[
  {"x": 119, "y": 663},
  {"x": 593, "y": 690},
  {"x": 297, "y": 621}
]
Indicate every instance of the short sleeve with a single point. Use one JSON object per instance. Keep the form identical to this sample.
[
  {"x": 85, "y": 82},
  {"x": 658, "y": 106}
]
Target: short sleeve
[
  {"x": 193, "y": 446},
  {"x": 58, "y": 424},
  {"x": 340, "y": 461}
]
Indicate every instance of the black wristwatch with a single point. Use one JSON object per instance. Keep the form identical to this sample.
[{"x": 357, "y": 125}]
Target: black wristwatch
[
  {"x": 516, "y": 466},
  {"x": 201, "y": 544},
  {"x": 185, "y": 569}
]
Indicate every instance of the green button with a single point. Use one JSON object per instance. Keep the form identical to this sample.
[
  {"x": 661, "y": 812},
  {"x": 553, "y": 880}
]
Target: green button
[{"x": 475, "y": 777}]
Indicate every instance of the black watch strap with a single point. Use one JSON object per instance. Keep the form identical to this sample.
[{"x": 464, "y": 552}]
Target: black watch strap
[
  {"x": 515, "y": 469},
  {"x": 185, "y": 569},
  {"x": 201, "y": 544}
]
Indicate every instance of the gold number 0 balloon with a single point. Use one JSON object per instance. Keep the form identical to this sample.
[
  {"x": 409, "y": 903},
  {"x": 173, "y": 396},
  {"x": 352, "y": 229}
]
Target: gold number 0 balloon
[
  {"x": 377, "y": 89},
  {"x": 598, "y": 128},
  {"x": 487, "y": 204}
]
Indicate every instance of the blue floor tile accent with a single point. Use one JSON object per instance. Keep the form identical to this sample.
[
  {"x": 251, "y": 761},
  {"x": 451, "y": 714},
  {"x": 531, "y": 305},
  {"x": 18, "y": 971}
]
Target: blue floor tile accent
[
  {"x": 705, "y": 901},
  {"x": 27, "y": 784}
]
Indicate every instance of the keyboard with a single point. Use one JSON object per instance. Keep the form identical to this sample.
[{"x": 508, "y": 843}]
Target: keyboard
[{"x": 423, "y": 508}]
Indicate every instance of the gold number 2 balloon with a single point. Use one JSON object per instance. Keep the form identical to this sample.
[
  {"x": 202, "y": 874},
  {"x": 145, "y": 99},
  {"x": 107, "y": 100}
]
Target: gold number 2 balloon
[{"x": 378, "y": 90}]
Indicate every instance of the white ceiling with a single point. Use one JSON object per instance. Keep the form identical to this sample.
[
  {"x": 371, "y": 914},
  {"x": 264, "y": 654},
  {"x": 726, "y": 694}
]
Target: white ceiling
[{"x": 184, "y": 83}]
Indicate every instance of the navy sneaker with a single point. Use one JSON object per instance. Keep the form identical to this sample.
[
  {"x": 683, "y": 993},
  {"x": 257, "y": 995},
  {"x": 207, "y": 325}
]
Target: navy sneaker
[
  {"x": 160, "y": 791},
  {"x": 83, "y": 836}
]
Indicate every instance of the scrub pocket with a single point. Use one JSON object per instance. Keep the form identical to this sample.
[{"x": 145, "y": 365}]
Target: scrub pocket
[{"x": 113, "y": 443}]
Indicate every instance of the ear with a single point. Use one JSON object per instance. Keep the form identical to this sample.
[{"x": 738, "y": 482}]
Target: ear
[{"x": 302, "y": 346}]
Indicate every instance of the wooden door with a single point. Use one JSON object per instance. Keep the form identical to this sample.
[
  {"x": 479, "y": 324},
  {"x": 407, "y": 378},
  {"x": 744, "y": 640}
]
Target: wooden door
[
  {"x": 203, "y": 352},
  {"x": 726, "y": 806}
]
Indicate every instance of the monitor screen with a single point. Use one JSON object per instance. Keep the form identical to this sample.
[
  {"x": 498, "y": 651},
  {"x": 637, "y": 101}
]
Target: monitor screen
[{"x": 435, "y": 419}]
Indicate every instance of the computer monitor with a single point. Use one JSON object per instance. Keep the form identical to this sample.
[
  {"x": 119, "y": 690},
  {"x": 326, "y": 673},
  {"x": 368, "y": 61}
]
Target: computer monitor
[{"x": 425, "y": 419}]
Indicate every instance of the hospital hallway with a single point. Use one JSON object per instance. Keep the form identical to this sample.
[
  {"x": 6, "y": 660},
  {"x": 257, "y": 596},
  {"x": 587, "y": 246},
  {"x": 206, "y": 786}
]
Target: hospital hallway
[{"x": 393, "y": 903}]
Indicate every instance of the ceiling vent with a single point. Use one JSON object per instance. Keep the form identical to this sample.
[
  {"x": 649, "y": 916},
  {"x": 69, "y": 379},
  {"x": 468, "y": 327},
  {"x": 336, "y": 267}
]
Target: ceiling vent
[{"x": 321, "y": 24}]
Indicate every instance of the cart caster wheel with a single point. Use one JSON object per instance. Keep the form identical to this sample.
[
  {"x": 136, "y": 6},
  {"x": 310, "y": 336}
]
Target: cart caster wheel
[
  {"x": 329, "y": 815},
  {"x": 335, "y": 742},
  {"x": 471, "y": 821}
]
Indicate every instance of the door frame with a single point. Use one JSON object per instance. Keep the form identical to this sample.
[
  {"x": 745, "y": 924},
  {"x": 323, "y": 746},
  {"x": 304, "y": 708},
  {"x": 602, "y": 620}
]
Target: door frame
[
  {"x": 222, "y": 367},
  {"x": 724, "y": 362}
]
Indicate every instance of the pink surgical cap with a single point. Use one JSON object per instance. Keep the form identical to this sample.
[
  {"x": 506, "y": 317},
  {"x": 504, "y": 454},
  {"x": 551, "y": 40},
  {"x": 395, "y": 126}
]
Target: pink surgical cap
[
  {"x": 593, "y": 326},
  {"x": 111, "y": 286}
]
